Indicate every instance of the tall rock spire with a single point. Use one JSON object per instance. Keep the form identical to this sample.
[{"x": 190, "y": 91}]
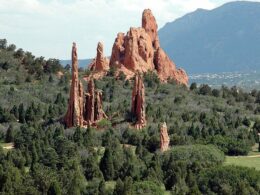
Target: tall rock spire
[
  {"x": 138, "y": 102},
  {"x": 164, "y": 138},
  {"x": 74, "y": 115}
]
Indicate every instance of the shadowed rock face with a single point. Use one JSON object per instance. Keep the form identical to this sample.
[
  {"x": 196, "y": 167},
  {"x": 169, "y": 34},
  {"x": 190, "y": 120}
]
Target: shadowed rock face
[
  {"x": 74, "y": 113},
  {"x": 164, "y": 138},
  {"x": 138, "y": 102},
  {"x": 85, "y": 110},
  {"x": 93, "y": 111},
  {"x": 139, "y": 51}
]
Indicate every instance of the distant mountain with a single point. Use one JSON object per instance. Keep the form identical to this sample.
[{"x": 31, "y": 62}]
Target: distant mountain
[
  {"x": 82, "y": 63},
  {"x": 220, "y": 40}
]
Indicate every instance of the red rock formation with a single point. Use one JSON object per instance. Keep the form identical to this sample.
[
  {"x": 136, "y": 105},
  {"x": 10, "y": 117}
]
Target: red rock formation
[
  {"x": 89, "y": 111},
  {"x": 164, "y": 138},
  {"x": 99, "y": 112},
  {"x": 138, "y": 101},
  {"x": 93, "y": 111},
  {"x": 74, "y": 115},
  {"x": 139, "y": 50},
  {"x": 81, "y": 113},
  {"x": 100, "y": 63},
  {"x": 150, "y": 26},
  {"x": 166, "y": 68}
]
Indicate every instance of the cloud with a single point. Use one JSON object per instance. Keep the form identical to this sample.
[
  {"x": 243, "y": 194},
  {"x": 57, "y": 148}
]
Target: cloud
[{"x": 48, "y": 27}]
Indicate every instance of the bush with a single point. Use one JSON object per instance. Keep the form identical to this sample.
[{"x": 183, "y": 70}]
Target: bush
[
  {"x": 147, "y": 187},
  {"x": 229, "y": 180}
]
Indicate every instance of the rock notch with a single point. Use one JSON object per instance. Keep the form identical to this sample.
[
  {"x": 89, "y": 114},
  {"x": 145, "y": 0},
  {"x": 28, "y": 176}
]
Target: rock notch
[
  {"x": 164, "y": 138},
  {"x": 74, "y": 115},
  {"x": 139, "y": 51},
  {"x": 138, "y": 102}
]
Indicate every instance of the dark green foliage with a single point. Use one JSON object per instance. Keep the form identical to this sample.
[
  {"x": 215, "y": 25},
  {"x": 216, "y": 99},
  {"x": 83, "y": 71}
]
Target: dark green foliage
[
  {"x": 48, "y": 159},
  {"x": 229, "y": 180}
]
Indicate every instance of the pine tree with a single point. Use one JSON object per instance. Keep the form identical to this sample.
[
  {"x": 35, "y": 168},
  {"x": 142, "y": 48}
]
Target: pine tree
[
  {"x": 21, "y": 113},
  {"x": 106, "y": 165},
  {"x": 9, "y": 134}
]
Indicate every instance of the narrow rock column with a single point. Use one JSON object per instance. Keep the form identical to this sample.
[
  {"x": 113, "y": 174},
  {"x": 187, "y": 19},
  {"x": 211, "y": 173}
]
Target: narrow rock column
[
  {"x": 90, "y": 103},
  {"x": 74, "y": 115},
  {"x": 99, "y": 113},
  {"x": 164, "y": 138},
  {"x": 93, "y": 111},
  {"x": 138, "y": 102}
]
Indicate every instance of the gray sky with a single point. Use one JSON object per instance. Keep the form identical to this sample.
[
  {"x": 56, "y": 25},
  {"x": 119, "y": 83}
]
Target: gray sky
[{"x": 48, "y": 27}]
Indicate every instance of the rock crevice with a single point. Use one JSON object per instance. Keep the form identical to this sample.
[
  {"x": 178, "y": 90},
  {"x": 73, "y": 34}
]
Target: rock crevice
[{"x": 138, "y": 103}]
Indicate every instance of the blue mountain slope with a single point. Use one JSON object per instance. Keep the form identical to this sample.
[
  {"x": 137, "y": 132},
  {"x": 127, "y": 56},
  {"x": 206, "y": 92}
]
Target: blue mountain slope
[{"x": 220, "y": 40}]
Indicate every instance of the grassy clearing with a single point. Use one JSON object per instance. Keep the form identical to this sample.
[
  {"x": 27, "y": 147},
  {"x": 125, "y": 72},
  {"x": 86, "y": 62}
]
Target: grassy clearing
[
  {"x": 252, "y": 160},
  {"x": 245, "y": 161},
  {"x": 110, "y": 185}
]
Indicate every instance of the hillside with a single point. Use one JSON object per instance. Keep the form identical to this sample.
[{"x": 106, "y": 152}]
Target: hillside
[
  {"x": 83, "y": 63},
  {"x": 224, "y": 39},
  {"x": 38, "y": 155}
]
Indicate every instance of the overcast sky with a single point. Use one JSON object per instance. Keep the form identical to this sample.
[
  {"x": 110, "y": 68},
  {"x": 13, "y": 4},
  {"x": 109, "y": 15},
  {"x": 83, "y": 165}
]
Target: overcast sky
[{"x": 48, "y": 27}]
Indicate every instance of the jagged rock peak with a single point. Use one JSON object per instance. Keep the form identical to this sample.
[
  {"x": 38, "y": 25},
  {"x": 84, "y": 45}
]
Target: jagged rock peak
[{"x": 150, "y": 25}]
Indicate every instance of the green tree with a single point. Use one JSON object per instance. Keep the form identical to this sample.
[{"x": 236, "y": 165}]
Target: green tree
[{"x": 107, "y": 166}]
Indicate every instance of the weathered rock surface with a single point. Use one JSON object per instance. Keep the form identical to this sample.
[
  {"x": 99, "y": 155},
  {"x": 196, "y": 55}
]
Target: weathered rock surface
[
  {"x": 100, "y": 63},
  {"x": 83, "y": 110},
  {"x": 164, "y": 138},
  {"x": 150, "y": 25},
  {"x": 166, "y": 68},
  {"x": 93, "y": 111},
  {"x": 139, "y": 50},
  {"x": 74, "y": 115},
  {"x": 138, "y": 102}
]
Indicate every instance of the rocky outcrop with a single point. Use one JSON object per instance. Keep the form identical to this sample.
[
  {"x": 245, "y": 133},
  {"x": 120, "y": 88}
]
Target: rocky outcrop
[
  {"x": 93, "y": 111},
  {"x": 150, "y": 26},
  {"x": 100, "y": 63},
  {"x": 82, "y": 110},
  {"x": 138, "y": 103},
  {"x": 164, "y": 137},
  {"x": 166, "y": 69},
  {"x": 74, "y": 115},
  {"x": 139, "y": 51}
]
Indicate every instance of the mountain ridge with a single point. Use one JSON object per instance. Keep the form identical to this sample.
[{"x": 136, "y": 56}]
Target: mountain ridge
[{"x": 215, "y": 40}]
